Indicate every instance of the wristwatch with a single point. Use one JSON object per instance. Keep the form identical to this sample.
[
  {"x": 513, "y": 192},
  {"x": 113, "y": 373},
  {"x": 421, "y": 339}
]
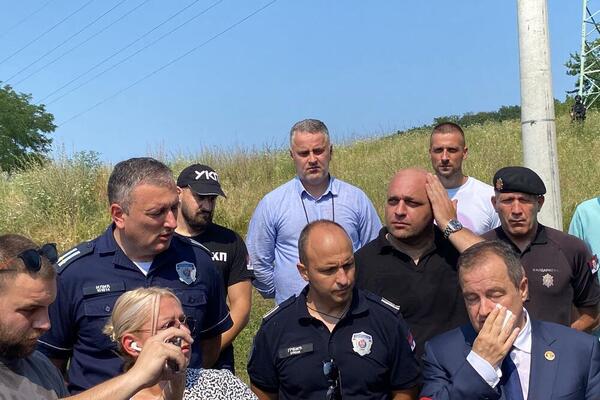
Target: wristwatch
[{"x": 453, "y": 226}]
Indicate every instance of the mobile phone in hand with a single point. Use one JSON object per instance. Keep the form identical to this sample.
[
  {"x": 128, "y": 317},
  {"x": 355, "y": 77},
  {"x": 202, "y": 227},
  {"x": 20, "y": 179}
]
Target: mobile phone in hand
[{"x": 170, "y": 363}]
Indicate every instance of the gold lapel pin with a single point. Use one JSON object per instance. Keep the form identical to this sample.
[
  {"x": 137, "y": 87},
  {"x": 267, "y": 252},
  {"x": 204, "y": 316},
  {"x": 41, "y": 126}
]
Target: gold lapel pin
[{"x": 550, "y": 356}]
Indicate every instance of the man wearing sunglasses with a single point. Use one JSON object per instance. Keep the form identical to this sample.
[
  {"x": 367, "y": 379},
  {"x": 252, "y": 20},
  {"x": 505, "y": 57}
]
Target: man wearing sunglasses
[
  {"x": 332, "y": 341},
  {"x": 138, "y": 249},
  {"x": 27, "y": 288}
]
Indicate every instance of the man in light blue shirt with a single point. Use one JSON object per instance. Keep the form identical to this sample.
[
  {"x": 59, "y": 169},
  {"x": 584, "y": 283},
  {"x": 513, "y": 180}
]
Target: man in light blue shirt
[
  {"x": 585, "y": 224},
  {"x": 313, "y": 194}
]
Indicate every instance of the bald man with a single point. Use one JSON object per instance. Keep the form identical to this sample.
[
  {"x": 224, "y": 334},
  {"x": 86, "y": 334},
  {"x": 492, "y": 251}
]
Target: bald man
[
  {"x": 332, "y": 341},
  {"x": 413, "y": 261}
]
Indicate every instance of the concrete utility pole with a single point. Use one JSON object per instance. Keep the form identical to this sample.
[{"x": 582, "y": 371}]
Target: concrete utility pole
[{"x": 537, "y": 105}]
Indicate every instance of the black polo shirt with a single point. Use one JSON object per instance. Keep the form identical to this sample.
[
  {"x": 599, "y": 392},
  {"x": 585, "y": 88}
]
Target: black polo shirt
[
  {"x": 229, "y": 253},
  {"x": 560, "y": 272},
  {"x": 370, "y": 346},
  {"x": 428, "y": 293},
  {"x": 93, "y": 275}
]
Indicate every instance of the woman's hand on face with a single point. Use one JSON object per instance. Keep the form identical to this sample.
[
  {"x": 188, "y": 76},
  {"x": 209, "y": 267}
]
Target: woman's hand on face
[{"x": 161, "y": 358}]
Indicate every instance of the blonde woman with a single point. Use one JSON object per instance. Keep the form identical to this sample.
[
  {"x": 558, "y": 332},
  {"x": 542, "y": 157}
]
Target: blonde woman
[{"x": 142, "y": 313}]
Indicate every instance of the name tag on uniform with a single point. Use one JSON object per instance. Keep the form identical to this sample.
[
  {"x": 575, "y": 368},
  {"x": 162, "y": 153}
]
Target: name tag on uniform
[
  {"x": 285, "y": 352},
  {"x": 104, "y": 288}
]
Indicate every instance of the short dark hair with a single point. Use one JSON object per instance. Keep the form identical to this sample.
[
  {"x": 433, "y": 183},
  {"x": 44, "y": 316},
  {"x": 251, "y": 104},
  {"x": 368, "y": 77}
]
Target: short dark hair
[
  {"x": 310, "y": 126},
  {"x": 303, "y": 240},
  {"x": 474, "y": 255},
  {"x": 447, "y": 127},
  {"x": 11, "y": 245},
  {"x": 128, "y": 174}
]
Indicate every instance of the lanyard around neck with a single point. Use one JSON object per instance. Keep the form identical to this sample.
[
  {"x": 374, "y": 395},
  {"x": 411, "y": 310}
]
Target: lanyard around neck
[{"x": 306, "y": 214}]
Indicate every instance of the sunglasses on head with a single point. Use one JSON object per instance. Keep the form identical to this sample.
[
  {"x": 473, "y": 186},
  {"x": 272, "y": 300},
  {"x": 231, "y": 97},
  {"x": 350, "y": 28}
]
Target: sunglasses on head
[
  {"x": 32, "y": 258},
  {"x": 332, "y": 373}
]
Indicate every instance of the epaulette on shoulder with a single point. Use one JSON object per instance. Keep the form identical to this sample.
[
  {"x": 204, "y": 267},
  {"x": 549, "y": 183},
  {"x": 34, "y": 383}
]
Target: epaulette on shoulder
[
  {"x": 195, "y": 243},
  {"x": 384, "y": 302},
  {"x": 75, "y": 253},
  {"x": 278, "y": 308}
]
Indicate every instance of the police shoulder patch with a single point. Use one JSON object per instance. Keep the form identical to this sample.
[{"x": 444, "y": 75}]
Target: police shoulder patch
[
  {"x": 75, "y": 253},
  {"x": 195, "y": 243},
  {"x": 278, "y": 308}
]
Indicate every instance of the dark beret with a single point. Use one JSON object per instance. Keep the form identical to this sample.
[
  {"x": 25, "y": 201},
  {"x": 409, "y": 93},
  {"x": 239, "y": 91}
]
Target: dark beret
[{"x": 518, "y": 179}]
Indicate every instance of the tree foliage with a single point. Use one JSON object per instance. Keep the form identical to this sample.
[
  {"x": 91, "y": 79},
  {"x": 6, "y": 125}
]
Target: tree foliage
[
  {"x": 24, "y": 130},
  {"x": 504, "y": 113},
  {"x": 592, "y": 63}
]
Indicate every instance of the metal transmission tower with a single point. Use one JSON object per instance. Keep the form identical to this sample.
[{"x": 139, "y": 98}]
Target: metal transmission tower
[{"x": 589, "y": 64}]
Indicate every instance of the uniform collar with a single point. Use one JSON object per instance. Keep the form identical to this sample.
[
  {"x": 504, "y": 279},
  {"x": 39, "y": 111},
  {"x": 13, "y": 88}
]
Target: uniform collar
[
  {"x": 541, "y": 237},
  {"x": 358, "y": 305},
  {"x": 107, "y": 245},
  {"x": 333, "y": 187}
]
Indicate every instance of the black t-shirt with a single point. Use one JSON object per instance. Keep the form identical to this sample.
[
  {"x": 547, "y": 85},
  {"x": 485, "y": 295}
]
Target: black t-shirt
[
  {"x": 560, "y": 272},
  {"x": 428, "y": 293},
  {"x": 229, "y": 253}
]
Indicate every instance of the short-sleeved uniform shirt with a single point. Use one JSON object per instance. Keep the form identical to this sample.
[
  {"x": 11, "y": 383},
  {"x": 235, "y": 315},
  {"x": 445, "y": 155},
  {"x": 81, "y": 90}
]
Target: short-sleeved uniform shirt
[
  {"x": 428, "y": 293},
  {"x": 30, "y": 378},
  {"x": 559, "y": 271},
  {"x": 370, "y": 346},
  {"x": 229, "y": 253},
  {"x": 94, "y": 274}
]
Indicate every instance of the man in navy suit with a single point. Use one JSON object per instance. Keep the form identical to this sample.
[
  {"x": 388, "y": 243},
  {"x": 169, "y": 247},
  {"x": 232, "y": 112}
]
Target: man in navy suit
[{"x": 503, "y": 354}]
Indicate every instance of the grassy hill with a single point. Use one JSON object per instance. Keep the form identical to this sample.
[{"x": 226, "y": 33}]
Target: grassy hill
[{"x": 65, "y": 201}]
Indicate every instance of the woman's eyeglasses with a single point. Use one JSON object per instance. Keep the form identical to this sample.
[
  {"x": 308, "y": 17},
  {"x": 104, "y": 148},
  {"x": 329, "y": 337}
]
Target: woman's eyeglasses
[
  {"x": 331, "y": 372},
  {"x": 32, "y": 258},
  {"x": 189, "y": 322}
]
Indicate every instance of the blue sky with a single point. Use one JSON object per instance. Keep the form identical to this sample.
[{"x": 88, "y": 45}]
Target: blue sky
[{"x": 363, "y": 67}]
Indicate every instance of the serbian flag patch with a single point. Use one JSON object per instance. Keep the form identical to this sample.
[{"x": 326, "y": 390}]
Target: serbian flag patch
[{"x": 593, "y": 264}]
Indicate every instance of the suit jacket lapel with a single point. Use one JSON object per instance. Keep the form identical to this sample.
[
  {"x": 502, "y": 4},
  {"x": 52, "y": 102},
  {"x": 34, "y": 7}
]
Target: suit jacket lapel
[{"x": 543, "y": 370}]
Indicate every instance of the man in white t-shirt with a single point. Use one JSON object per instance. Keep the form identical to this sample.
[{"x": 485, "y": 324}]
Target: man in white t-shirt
[{"x": 448, "y": 150}]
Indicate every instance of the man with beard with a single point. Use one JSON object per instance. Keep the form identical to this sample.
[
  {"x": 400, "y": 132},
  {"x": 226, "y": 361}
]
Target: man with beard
[
  {"x": 199, "y": 187},
  {"x": 27, "y": 288},
  {"x": 412, "y": 262},
  {"x": 137, "y": 250},
  {"x": 448, "y": 150}
]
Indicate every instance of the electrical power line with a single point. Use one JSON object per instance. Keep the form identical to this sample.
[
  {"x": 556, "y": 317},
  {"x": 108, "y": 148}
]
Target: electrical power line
[
  {"x": 120, "y": 50},
  {"x": 66, "y": 40},
  {"x": 43, "y": 67},
  {"x": 25, "y": 19},
  {"x": 204, "y": 11},
  {"x": 173, "y": 61},
  {"x": 45, "y": 32}
]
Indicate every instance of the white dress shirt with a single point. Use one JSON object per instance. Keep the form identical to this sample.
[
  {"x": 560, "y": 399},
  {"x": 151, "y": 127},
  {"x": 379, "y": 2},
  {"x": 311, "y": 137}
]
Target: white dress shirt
[{"x": 520, "y": 354}]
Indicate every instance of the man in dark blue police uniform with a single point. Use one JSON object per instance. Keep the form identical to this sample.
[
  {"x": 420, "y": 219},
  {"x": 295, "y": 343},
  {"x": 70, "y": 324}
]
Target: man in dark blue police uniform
[
  {"x": 137, "y": 250},
  {"x": 332, "y": 341}
]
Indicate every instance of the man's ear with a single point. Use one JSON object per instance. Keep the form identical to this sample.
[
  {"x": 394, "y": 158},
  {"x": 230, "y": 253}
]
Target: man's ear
[
  {"x": 117, "y": 214},
  {"x": 303, "y": 271},
  {"x": 465, "y": 153},
  {"x": 291, "y": 154},
  {"x": 493, "y": 200},
  {"x": 330, "y": 151},
  {"x": 524, "y": 289},
  {"x": 540, "y": 201}
]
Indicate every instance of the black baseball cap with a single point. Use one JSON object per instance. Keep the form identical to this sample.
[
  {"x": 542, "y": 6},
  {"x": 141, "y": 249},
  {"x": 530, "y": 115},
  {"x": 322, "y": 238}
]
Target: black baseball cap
[
  {"x": 201, "y": 179},
  {"x": 518, "y": 179}
]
